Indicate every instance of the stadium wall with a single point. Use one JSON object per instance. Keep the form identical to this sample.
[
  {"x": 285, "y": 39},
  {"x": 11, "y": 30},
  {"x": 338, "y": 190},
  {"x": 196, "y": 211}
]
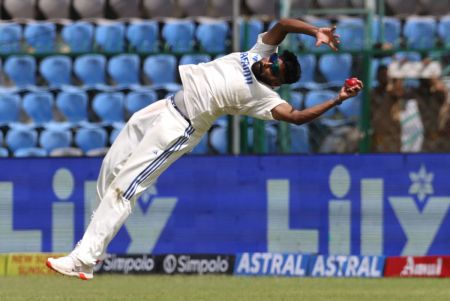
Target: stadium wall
[{"x": 362, "y": 205}]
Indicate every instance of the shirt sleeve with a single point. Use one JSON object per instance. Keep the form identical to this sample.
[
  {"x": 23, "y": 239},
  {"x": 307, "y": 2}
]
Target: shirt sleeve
[
  {"x": 262, "y": 109},
  {"x": 262, "y": 49}
]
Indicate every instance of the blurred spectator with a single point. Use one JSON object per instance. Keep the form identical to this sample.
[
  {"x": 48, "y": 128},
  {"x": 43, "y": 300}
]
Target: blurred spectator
[{"x": 385, "y": 110}]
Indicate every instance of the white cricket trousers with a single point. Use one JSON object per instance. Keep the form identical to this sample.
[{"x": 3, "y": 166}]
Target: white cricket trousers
[{"x": 149, "y": 143}]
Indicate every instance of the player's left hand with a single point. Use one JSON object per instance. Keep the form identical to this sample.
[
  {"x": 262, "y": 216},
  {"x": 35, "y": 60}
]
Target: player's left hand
[
  {"x": 348, "y": 92},
  {"x": 327, "y": 35}
]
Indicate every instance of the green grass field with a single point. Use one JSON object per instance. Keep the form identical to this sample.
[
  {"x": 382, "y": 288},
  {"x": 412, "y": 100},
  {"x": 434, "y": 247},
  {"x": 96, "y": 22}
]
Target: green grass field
[{"x": 212, "y": 288}]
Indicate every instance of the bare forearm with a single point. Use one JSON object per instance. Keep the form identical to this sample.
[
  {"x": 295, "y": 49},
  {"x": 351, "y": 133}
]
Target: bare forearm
[
  {"x": 285, "y": 26},
  {"x": 309, "y": 114}
]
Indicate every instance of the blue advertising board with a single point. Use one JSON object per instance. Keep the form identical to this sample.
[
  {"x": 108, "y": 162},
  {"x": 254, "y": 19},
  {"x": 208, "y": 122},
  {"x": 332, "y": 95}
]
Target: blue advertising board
[{"x": 379, "y": 205}]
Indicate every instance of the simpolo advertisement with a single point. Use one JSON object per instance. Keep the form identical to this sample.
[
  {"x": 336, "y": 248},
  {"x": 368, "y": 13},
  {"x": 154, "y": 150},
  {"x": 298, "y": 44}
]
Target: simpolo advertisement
[{"x": 165, "y": 264}]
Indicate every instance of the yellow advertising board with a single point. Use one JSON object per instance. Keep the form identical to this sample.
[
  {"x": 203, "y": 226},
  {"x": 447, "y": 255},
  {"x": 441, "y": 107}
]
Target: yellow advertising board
[
  {"x": 21, "y": 264},
  {"x": 3, "y": 264}
]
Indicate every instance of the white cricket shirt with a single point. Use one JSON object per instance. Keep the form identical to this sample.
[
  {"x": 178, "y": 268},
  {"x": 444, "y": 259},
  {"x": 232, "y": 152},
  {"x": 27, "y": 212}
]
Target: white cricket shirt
[{"x": 228, "y": 86}]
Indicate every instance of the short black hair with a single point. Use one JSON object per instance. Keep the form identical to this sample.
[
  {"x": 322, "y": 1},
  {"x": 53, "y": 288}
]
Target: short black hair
[{"x": 293, "y": 70}]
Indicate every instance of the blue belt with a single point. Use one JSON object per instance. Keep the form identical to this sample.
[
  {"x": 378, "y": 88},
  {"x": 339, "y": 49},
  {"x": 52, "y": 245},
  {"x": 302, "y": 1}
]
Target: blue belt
[{"x": 172, "y": 100}]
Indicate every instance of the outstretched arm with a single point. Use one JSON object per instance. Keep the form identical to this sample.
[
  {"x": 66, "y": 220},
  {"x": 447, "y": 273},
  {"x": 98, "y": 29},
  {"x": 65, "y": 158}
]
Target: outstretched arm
[
  {"x": 285, "y": 112},
  {"x": 324, "y": 35}
]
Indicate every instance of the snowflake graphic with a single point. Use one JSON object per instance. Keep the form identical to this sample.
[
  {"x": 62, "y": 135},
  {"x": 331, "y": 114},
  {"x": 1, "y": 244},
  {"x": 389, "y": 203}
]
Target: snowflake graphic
[{"x": 422, "y": 183}]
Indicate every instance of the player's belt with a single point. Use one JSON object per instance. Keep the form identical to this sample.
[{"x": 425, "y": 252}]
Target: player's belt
[{"x": 172, "y": 100}]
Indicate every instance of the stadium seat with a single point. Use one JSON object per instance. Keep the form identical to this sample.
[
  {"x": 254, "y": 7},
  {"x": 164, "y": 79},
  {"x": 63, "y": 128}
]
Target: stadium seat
[
  {"x": 51, "y": 139},
  {"x": 221, "y": 8},
  {"x": 270, "y": 138},
  {"x": 308, "y": 42},
  {"x": 159, "y": 8},
  {"x": 436, "y": 8},
  {"x": 420, "y": 32},
  {"x": 30, "y": 152},
  {"x": 391, "y": 31},
  {"x": 9, "y": 108},
  {"x": 21, "y": 69},
  {"x": 336, "y": 68},
  {"x": 411, "y": 56},
  {"x": 117, "y": 127},
  {"x": 90, "y": 68},
  {"x": 73, "y": 105},
  {"x": 218, "y": 138},
  {"x": 91, "y": 138},
  {"x": 179, "y": 35},
  {"x": 402, "y": 8},
  {"x": 161, "y": 69},
  {"x": 333, "y": 3},
  {"x": 135, "y": 101},
  {"x": 351, "y": 108},
  {"x": 41, "y": 36},
  {"x": 4, "y": 152},
  {"x": 212, "y": 36},
  {"x": 262, "y": 7},
  {"x": 351, "y": 31},
  {"x": 55, "y": 9},
  {"x": 296, "y": 100},
  {"x": 109, "y": 106},
  {"x": 89, "y": 8},
  {"x": 124, "y": 69},
  {"x": 20, "y": 9},
  {"x": 79, "y": 36},
  {"x": 308, "y": 63},
  {"x": 38, "y": 106},
  {"x": 110, "y": 36},
  {"x": 444, "y": 30},
  {"x": 299, "y": 139},
  {"x": 249, "y": 31},
  {"x": 21, "y": 137},
  {"x": 316, "y": 97},
  {"x": 56, "y": 70},
  {"x": 10, "y": 37},
  {"x": 202, "y": 147},
  {"x": 194, "y": 8},
  {"x": 125, "y": 8},
  {"x": 143, "y": 35},
  {"x": 194, "y": 59}
]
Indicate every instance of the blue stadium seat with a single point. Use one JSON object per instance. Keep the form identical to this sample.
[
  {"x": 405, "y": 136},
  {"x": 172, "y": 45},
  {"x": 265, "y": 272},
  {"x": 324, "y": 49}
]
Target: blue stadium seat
[
  {"x": 392, "y": 30},
  {"x": 38, "y": 106},
  {"x": 136, "y": 101},
  {"x": 444, "y": 30},
  {"x": 79, "y": 36},
  {"x": 51, "y": 139},
  {"x": 21, "y": 69},
  {"x": 411, "y": 56},
  {"x": 336, "y": 68},
  {"x": 249, "y": 37},
  {"x": 179, "y": 35},
  {"x": 109, "y": 106},
  {"x": 90, "y": 69},
  {"x": 219, "y": 139},
  {"x": 316, "y": 97},
  {"x": 91, "y": 138},
  {"x": 308, "y": 63},
  {"x": 4, "y": 152},
  {"x": 73, "y": 105},
  {"x": 161, "y": 69},
  {"x": 194, "y": 59},
  {"x": 41, "y": 36},
  {"x": 309, "y": 42},
  {"x": 30, "y": 152},
  {"x": 351, "y": 108},
  {"x": 143, "y": 35},
  {"x": 117, "y": 127},
  {"x": 213, "y": 36},
  {"x": 124, "y": 69},
  {"x": 9, "y": 108},
  {"x": 10, "y": 37},
  {"x": 110, "y": 37},
  {"x": 299, "y": 139},
  {"x": 202, "y": 147},
  {"x": 21, "y": 137},
  {"x": 270, "y": 138},
  {"x": 296, "y": 100},
  {"x": 351, "y": 31},
  {"x": 420, "y": 32},
  {"x": 57, "y": 70}
]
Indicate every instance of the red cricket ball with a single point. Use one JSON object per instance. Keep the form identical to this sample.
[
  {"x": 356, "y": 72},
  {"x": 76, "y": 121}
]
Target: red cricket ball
[{"x": 350, "y": 82}]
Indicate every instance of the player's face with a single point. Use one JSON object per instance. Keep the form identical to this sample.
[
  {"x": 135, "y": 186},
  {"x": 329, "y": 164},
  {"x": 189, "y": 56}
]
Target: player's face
[{"x": 270, "y": 70}]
